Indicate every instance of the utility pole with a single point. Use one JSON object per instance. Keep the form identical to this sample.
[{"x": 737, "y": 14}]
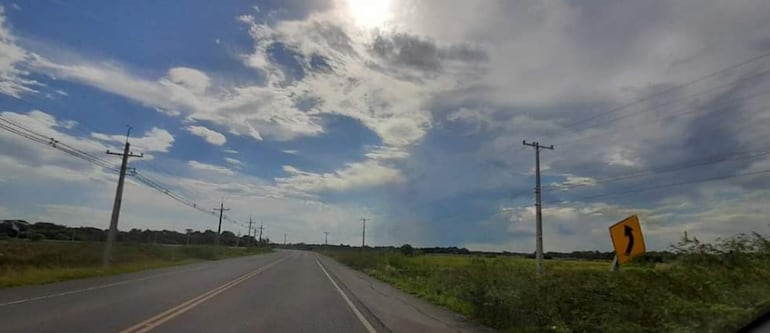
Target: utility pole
[
  {"x": 221, "y": 210},
  {"x": 326, "y": 238},
  {"x": 248, "y": 238},
  {"x": 363, "y": 234},
  {"x": 284, "y": 240},
  {"x": 538, "y": 204},
  {"x": 113, "y": 232},
  {"x": 260, "y": 234},
  {"x": 189, "y": 233}
]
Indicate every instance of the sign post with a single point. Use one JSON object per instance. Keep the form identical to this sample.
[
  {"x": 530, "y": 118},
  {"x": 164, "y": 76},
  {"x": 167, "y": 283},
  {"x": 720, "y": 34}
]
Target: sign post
[{"x": 627, "y": 239}]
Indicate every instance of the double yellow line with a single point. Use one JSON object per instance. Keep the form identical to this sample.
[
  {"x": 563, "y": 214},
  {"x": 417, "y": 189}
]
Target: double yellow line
[{"x": 169, "y": 314}]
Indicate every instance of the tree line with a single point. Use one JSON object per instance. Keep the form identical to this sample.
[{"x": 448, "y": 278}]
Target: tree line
[{"x": 46, "y": 230}]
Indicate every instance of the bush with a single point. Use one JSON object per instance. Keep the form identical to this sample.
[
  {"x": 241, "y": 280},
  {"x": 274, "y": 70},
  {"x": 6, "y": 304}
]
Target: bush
[
  {"x": 406, "y": 250},
  {"x": 36, "y": 237}
]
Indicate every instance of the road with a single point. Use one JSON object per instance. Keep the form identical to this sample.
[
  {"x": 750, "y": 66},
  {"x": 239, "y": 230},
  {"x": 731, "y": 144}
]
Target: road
[{"x": 284, "y": 291}]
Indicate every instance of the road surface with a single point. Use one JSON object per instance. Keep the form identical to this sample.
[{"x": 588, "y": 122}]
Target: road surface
[{"x": 285, "y": 291}]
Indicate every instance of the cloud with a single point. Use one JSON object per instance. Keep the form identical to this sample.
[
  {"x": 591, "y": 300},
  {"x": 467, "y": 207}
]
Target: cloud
[
  {"x": 572, "y": 181},
  {"x": 210, "y": 167},
  {"x": 408, "y": 50},
  {"x": 14, "y": 80},
  {"x": 236, "y": 163},
  {"x": 450, "y": 104},
  {"x": 384, "y": 153},
  {"x": 383, "y": 80},
  {"x": 255, "y": 111},
  {"x": 230, "y": 151},
  {"x": 190, "y": 78},
  {"x": 154, "y": 140},
  {"x": 352, "y": 176},
  {"x": 211, "y": 136},
  {"x": 21, "y": 154},
  {"x": 290, "y": 151}
]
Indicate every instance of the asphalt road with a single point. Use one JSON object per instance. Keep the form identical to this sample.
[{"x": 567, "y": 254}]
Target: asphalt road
[{"x": 285, "y": 291}]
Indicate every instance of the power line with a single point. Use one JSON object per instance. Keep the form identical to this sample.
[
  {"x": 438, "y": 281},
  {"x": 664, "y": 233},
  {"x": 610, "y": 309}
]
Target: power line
[
  {"x": 682, "y": 111},
  {"x": 667, "y": 168},
  {"x": 668, "y": 91},
  {"x": 18, "y": 129},
  {"x": 709, "y": 90},
  {"x": 662, "y": 186},
  {"x": 31, "y": 135}
]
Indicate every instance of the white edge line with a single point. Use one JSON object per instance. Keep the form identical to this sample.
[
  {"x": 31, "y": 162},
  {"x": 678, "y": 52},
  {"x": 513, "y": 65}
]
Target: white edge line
[
  {"x": 358, "y": 314},
  {"x": 102, "y": 286}
]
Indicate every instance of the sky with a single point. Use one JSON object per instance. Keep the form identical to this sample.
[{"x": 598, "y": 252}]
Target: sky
[{"x": 307, "y": 116}]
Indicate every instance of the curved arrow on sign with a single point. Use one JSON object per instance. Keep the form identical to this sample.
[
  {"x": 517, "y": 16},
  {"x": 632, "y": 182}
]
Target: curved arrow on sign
[{"x": 629, "y": 232}]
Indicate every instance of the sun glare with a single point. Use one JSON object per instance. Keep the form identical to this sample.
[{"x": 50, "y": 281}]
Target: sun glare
[{"x": 370, "y": 13}]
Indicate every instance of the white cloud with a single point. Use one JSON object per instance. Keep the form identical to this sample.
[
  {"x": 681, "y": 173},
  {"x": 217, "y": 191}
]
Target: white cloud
[
  {"x": 234, "y": 162},
  {"x": 210, "y": 167},
  {"x": 24, "y": 157},
  {"x": 190, "y": 78},
  {"x": 13, "y": 79},
  {"x": 211, "y": 136},
  {"x": 254, "y": 111},
  {"x": 573, "y": 181},
  {"x": 290, "y": 151},
  {"x": 352, "y": 176},
  {"x": 384, "y": 153},
  {"x": 154, "y": 140},
  {"x": 230, "y": 151},
  {"x": 622, "y": 157}
]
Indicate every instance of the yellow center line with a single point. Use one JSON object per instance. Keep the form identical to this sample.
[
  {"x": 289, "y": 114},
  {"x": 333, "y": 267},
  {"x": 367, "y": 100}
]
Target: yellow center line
[{"x": 169, "y": 314}]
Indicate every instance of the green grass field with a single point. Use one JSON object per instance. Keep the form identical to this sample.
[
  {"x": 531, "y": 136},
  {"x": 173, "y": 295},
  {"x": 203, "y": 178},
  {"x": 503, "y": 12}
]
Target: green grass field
[
  {"x": 709, "y": 288},
  {"x": 24, "y": 262}
]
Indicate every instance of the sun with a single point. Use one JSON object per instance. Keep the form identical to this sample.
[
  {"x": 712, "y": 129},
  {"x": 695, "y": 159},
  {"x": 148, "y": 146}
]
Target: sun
[{"x": 370, "y": 13}]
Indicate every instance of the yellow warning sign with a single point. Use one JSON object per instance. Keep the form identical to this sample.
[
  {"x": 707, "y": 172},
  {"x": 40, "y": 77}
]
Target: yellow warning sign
[{"x": 627, "y": 239}]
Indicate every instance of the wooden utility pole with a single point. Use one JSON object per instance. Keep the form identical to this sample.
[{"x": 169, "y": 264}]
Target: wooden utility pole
[
  {"x": 221, "y": 210},
  {"x": 189, "y": 233},
  {"x": 113, "y": 231},
  {"x": 538, "y": 204},
  {"x": 248, "y": 235},
  {"x": 363, "y": 234}
]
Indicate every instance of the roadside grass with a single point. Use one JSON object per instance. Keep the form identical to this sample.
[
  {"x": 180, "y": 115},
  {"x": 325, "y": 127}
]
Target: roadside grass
[
  {"x": 709, "y": 288},
  {"x": 27, "y": 263}
]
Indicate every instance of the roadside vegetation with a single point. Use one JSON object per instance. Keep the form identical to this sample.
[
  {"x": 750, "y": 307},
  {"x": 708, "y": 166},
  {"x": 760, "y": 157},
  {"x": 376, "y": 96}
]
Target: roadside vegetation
[
  {"x": 26, "y": 262},
  {"x": 695, "y": 287}
]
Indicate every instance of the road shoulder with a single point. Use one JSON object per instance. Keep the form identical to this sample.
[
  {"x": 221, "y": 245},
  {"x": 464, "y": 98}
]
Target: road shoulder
[{"x": 394, "y": 309}]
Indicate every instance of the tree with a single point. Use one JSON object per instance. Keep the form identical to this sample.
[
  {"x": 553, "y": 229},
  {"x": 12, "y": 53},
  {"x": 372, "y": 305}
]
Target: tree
[{"x": 406, "y": 250}]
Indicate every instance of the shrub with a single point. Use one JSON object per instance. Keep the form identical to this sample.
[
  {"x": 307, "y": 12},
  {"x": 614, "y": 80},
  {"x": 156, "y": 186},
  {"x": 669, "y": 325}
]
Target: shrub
[
  {"x": 406, "y": 250},
  {"x": 35, "y": 237}
]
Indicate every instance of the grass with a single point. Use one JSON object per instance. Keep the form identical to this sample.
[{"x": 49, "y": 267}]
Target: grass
[
  {"x": 27, "y": 263},
  {"x": 709, "y": 288}
]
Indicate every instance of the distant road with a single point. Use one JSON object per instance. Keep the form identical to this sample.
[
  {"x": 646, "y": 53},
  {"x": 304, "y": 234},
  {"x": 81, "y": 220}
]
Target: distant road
[{"x": 286, "y": 291}]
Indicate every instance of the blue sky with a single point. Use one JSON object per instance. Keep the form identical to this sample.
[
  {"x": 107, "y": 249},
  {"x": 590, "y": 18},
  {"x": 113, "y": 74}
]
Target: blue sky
[{"x": 309, "y": 115}]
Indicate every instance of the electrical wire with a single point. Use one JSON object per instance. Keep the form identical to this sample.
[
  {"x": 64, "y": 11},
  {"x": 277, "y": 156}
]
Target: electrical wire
[
  {"x": 663, "y": 186},
  {"x": 20, "y": 130},
  {"x": 666, "y": 169},
  {"x": 668, "y": 91}
]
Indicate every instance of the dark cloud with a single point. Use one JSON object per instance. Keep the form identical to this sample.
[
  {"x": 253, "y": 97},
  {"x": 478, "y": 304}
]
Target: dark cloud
[
  {"x": 334, "y": 37},
  {"x": 291, "y": 62},
  {"x": 424, "y": 54}
]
